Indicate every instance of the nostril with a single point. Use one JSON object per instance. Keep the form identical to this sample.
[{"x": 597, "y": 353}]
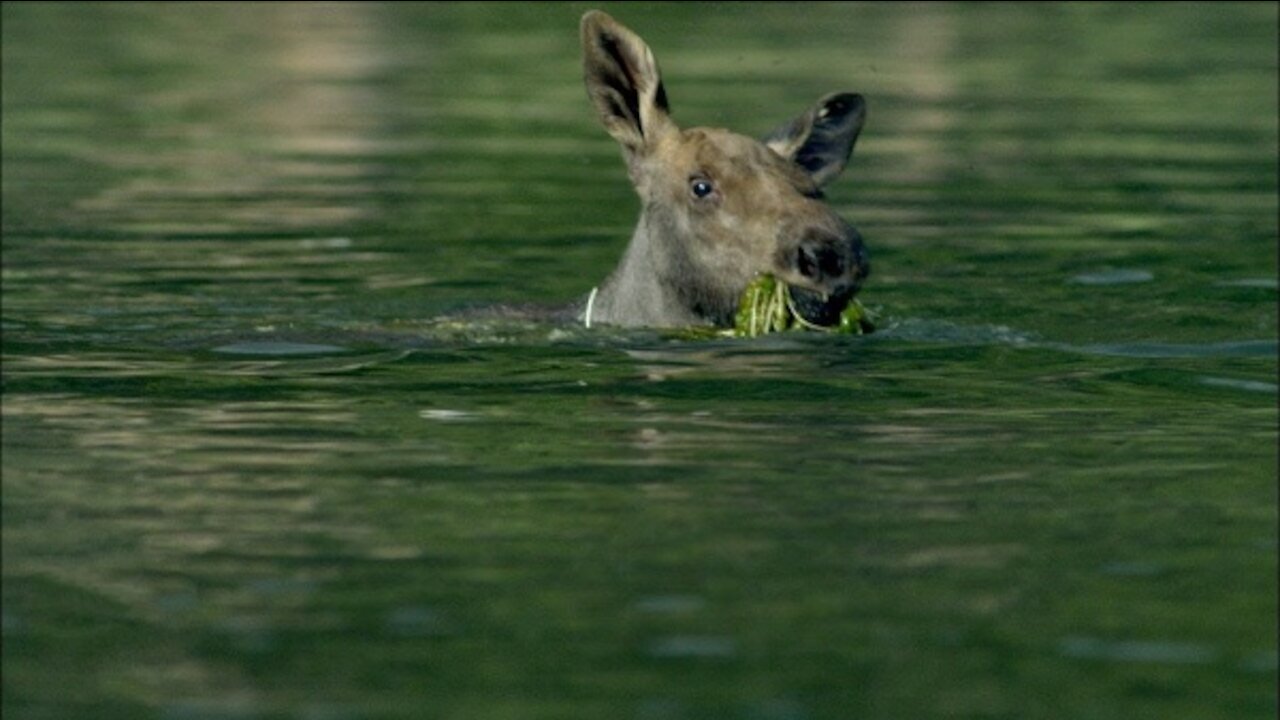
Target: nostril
[
  {"x": 818, "y": 262},
  {"x": 807, "y": 262},
  {"x": 831, "y": 263}
]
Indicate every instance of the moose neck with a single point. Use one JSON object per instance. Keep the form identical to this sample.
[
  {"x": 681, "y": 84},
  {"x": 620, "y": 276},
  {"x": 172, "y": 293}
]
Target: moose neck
[{"x": 650, "y": 285}]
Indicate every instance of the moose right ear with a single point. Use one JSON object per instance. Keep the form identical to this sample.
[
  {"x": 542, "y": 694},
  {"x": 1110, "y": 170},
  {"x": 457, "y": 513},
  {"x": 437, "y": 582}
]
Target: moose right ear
[
  {"x": 821, "y": 140},
  {"x": 623, "y": 82}
]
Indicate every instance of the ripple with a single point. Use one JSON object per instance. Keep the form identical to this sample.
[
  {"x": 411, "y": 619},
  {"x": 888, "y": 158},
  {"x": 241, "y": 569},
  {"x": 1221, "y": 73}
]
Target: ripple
[
  {"x": 278, "y": 349},
  {"x": 11, "y": 625},
  {"x": 669, "y": 604},
  {"x": 1170, "y": 653},
  {"x": 1261, "y": 283},
  {"x": 1113, "y": 277},
  {"x": 448, "y": 416},
  {"x": 249, "y": 633},
  {"x": 942, "y": 331},
  {"x": 693, "y": 646},
  {"x": 233, "y": 707},
  {"x": 1243, "y": 348},
  {"x": 1237, "y": 384},
  {"x": 1263, "y": 661},
  {"x": 1133, "y": 568},
  {"x": 332, "y": 243},
  {"x": 418, "y": 621}
]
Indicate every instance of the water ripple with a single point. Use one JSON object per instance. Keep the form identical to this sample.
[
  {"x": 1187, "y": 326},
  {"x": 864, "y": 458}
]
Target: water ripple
[
  {"x": 1113, "y": 277},
  {"x": 276, "y": 348},
  {"x": 1240, "y": 348},
  {"x": 1171, "y": 653}
]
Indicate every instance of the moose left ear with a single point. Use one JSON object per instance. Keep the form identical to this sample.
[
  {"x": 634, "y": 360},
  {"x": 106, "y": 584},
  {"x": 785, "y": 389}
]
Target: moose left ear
[
  {"x": 821, "y": 140},
  {"x": 623, "y": 83}
]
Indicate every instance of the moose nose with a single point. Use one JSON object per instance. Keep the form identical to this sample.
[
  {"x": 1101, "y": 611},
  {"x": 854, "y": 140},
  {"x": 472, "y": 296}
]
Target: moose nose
[
  {"x": 819, "y": 261},
  {"x": 835, "y": 264},
  {"x": 832, "y": 261}
]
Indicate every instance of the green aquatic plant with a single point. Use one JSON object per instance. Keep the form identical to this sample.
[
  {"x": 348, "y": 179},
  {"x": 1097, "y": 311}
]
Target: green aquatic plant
[
  {"x": 763, "y": 308},
  {"x": 766, "y": 307}
]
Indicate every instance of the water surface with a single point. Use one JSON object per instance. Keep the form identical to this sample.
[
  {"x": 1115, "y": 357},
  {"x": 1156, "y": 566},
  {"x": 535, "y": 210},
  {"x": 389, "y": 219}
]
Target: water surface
[{"x": 252, "y": 470}]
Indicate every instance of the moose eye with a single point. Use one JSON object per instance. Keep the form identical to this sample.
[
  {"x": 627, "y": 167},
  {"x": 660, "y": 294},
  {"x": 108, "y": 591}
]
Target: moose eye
[{"x": 700, "y": 187}]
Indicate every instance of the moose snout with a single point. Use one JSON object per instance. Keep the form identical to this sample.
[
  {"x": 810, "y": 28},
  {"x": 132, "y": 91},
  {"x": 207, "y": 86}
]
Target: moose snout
[
  {"x": 833, "y": 266},
  {"x": 833, "y": 263}
]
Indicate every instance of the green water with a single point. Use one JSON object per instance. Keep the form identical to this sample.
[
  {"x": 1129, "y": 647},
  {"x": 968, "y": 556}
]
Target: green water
[{"x": 248, "y": 472}]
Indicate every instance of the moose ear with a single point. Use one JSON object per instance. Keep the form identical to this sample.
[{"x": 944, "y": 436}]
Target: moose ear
[
  {"x": 821, "y": 140},
  {"x": 623, "y": 82}
]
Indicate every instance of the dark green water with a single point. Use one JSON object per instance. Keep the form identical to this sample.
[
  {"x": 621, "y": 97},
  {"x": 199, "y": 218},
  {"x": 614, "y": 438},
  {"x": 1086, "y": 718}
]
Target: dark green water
[{"x": 248, "y": 473}]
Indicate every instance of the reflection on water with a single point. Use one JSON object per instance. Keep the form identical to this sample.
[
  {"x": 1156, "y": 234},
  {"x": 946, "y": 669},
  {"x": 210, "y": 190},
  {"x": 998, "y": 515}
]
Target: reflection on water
[{"x": 267, "y": 454}]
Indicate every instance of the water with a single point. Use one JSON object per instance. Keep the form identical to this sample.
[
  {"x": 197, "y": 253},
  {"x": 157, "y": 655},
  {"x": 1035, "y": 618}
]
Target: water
[{"x": 251, "y": 470}]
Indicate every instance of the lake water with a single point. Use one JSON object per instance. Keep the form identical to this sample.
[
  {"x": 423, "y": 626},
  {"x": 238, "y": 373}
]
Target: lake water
[{"x": 249, "y": 471}]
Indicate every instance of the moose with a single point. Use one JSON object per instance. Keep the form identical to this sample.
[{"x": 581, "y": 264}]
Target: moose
[{"x": 718, "y": 208}]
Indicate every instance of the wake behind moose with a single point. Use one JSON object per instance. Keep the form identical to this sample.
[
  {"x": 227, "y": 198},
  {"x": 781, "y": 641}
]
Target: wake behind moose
[{"x": 718, "y": 208}]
